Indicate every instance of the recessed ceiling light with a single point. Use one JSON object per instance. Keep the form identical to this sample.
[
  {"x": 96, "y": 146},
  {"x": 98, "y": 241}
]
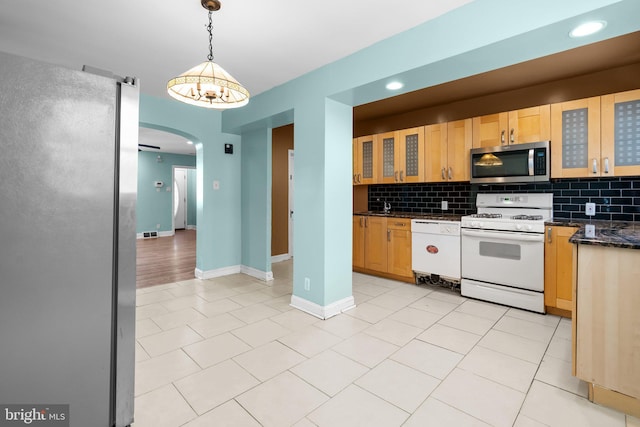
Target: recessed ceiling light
[
  {"x": 587, "y": 28},
  {"x": 189, "y": 142},
  {"x": 394, "y": 85}
]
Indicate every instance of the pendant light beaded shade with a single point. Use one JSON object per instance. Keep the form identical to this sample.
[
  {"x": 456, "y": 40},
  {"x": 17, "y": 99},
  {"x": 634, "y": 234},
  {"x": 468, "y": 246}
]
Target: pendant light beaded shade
[{"x": 208, "y": 84}]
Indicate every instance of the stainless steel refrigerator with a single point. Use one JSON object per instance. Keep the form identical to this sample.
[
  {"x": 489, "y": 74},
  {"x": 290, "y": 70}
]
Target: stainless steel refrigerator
[{"x": 68, "y": 178}]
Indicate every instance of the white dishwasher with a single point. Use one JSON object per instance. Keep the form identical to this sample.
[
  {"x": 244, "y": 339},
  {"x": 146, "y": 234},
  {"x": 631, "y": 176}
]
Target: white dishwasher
[{"x": 435, "y": 251}]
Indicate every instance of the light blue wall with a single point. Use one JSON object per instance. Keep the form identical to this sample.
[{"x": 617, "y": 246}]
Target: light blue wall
[
  {"x": 256, "y": 199},
  {"x": 154, "y": 205},
  {"x": 218, "y": 211}
]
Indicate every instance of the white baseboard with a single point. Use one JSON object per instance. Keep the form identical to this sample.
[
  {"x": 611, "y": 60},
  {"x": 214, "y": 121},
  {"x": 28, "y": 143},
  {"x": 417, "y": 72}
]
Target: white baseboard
[
  {"x": 218, "y": 272},
  {"x": 191, "y": 227},
  {"x": 322, "y": 312},
  {"x": 168, "y": 233},
  {"x": 265, "y": 276},
  {"x": 280, "y": 258}
]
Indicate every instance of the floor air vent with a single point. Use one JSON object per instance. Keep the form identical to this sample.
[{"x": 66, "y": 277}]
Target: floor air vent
[{"x": 150, "y": 234}]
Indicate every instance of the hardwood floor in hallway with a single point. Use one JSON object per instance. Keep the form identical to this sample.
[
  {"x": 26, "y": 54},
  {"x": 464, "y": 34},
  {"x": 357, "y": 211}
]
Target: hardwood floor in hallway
[{"x": 166, "y": 259}]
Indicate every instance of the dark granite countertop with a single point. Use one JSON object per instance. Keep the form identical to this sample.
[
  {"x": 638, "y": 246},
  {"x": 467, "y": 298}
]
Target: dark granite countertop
[
  {"x": 607, "y": 233},
  {"x": 392, "y": 214}
]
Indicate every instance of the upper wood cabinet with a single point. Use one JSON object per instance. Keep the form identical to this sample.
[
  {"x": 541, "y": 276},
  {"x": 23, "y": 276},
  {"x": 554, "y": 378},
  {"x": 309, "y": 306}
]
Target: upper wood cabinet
[
  {"x": 411, "y": 155},
  {"x": 401, "y": 156},
  {"x": 447, "y": 151},
  {"x": 620, "y": 145},
  {"x": 364, "y": 160},
  {"x": 575, "y": 138},
  {"x": 514, "y": 127}
]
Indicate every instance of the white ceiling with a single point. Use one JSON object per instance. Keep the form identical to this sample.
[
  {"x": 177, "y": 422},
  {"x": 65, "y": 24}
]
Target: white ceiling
[
  {"x": 168, "y": 142},
  {"x": 262, "y": 44}
]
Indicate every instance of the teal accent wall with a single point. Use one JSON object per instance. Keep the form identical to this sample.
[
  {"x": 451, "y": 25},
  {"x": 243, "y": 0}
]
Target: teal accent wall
[
  {"x": 155, "y": 204},
  {"x": 218, "y": 212},
  {"x": 256, "y": 199}
]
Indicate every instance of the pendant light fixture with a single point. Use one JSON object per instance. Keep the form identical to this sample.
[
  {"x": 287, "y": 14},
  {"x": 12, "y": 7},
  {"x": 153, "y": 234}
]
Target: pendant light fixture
[{"x": 208, "y": 84}]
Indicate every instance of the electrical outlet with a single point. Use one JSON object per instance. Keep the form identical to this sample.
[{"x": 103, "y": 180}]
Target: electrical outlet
[
  {"x": 590, "y": 231},
  {"x": 307, "y": 284},
  {"x": 590, "y": 209},
  {"x": 158, "y": 226},
  {"x": 444, "y": 205}
]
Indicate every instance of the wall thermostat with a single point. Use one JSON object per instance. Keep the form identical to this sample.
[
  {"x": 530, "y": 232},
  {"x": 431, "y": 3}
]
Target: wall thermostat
[
  {"x": 158, "y": 184},
  {"x": 228, "y": 148}
]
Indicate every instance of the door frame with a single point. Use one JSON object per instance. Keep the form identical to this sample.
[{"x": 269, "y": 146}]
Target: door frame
[
  {"x": 173, "y": 197},
  {"x": 290, "y": 154}
]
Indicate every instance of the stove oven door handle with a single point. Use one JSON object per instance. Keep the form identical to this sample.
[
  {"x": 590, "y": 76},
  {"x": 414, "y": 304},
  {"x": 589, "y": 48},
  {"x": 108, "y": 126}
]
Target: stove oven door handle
[{"x": 511, "y": 236}]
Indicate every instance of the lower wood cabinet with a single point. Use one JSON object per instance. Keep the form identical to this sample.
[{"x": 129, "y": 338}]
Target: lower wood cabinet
[
  {"x": 606, "y": 325},
  {"x": 382, "y": 245},
  {"x": 558, "y": 270},
  {"x": 399, "y": 246}
]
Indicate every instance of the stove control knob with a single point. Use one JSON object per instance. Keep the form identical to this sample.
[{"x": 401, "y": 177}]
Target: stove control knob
[
  {"x": 475, "y": 224},
  {"x": 529, "y": 227},
  {"x": 518, "y": 226}
]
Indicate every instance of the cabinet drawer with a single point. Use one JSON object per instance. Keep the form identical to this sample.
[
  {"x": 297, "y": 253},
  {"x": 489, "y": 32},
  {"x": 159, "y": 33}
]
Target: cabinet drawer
[{"x": 399, "y": 224}]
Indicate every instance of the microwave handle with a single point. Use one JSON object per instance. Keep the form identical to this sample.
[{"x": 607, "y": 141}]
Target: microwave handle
[{"x": 531, "y": 171}]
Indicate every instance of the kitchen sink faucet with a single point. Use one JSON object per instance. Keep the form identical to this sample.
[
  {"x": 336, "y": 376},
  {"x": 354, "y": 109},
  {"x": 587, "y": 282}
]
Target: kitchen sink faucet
[{"x": 387, "y": 207}]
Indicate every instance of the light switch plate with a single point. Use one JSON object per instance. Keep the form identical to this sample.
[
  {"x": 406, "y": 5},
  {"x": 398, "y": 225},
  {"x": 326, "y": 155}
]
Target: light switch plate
[
  {"x": 590, "y": 209},
  {"x": 444, "y": 205}
]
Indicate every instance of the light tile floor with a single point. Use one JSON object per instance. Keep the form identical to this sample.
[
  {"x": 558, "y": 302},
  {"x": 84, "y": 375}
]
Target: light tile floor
[{"x": 232, "y": 352}]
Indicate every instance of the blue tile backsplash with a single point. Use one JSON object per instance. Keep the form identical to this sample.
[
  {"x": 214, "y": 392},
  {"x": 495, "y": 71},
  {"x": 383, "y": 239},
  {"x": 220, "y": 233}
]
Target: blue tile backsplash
[{"x": 616, "y": 199}]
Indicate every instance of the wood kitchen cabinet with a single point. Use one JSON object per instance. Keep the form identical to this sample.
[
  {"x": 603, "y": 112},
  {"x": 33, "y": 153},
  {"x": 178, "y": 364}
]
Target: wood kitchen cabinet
[
  {"x": 358, "y": 241},
  {"x": 399, "y": 247},
  {"x": 401, "y": 156},
  {"x": 364, "y": 160},
  {"x": 382, "y": 246},
  {"x": 514, "y": 127},
  {"x": 575, "y": 136},
  {"x": 620, "y": 126},
  {"x": 596, "y": 136},
  {"x": 375, "y": 243},
  {"x": 447, "y": 151},
  {"x": 558, "y": 270},
  {"x": 605, "y": 324}
]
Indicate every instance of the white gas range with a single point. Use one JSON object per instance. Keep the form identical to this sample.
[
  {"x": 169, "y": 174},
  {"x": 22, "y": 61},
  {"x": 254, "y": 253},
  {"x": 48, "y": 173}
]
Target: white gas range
[{"x": 503, "y": 249}]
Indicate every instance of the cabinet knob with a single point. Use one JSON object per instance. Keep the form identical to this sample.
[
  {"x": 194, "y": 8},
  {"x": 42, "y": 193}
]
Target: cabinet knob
[
  {"x": 401, "y": 176},
  {"x": 450, "y": 173},
  {"x": 549, "y": 234},
  {"x": 606, "y": 165},
  {"x": 512, "y": 139},
  {"x": 595, "y": 166},
  {"x": 442, "y": 173},
  {"x": 502, "y": 137},
  {"x": 395, "y": 176}
]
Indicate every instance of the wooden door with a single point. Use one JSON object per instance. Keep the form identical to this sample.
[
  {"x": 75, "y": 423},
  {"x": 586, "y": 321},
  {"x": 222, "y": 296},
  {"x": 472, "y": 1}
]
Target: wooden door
[
  {"x": 435, "y": 162},
  {"x": 375, "y": 243},
  {"x": 620, "y": 155},
  {"x": 399, "y": 246},
  {"x": 575, "y": 138},
  {"x": 411, "y": 149},
  {"x": 490, "y": 130},
  {"x": 358, "y": 241},
  {"x": 459, "y": 141},
  {"x": 530, "y": 125}
]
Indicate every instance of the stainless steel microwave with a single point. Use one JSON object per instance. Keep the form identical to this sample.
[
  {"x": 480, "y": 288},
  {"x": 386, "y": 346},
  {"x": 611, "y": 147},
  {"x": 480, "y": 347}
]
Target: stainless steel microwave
[{"x": 511, "y": 163}]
